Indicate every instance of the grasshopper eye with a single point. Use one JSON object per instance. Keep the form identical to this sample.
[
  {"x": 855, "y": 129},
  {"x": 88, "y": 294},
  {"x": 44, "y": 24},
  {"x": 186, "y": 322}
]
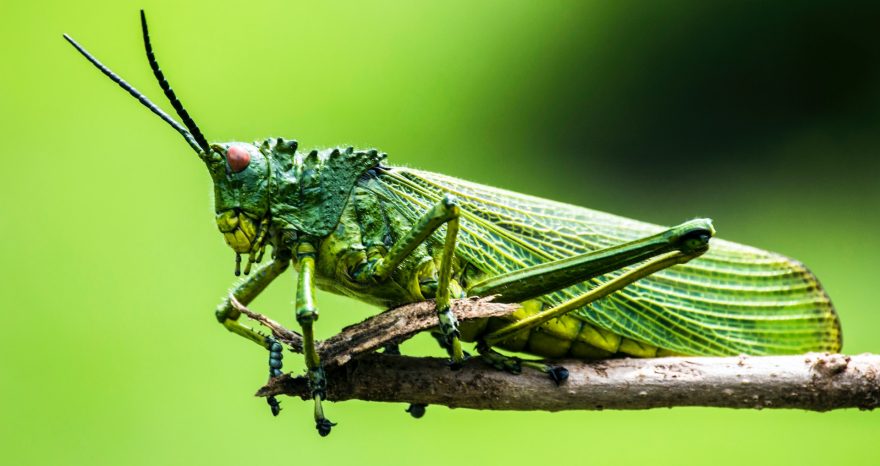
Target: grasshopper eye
[{"x": 238, "y": 158}]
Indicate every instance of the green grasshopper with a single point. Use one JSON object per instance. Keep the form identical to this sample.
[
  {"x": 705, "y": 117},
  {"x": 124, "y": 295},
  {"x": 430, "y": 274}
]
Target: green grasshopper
[{"x": 591, "y": 284}]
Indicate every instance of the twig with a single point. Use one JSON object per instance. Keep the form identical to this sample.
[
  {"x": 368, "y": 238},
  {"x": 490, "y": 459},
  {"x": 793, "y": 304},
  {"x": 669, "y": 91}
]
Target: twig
[{"x": 817, "y": 382}]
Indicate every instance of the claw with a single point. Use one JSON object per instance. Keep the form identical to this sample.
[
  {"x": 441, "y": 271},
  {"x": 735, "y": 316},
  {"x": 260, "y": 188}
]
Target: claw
[
  {"x": 416, "y": 410},
  {"x": 274, "y": 404},
  {"x": 457, "y": 365},
  {"x": 324, "y": 426},
  {"x": 558, "y": 374}
]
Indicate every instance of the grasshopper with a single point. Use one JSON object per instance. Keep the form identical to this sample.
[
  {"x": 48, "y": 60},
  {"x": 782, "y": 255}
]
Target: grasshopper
[{"x": 590, "y": 284}]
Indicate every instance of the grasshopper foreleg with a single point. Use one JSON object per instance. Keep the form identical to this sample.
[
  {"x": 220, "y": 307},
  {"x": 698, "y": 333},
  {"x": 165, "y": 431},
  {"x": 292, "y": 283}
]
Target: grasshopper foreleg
[
  {"x": 275, "y": 357},
  {"x": 306, "y": 315},
  {"x": 245, "y": 292}
]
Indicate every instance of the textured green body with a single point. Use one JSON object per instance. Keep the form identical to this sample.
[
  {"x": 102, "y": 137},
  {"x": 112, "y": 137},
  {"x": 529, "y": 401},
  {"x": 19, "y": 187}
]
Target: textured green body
[{"x": 734, "y": 299}]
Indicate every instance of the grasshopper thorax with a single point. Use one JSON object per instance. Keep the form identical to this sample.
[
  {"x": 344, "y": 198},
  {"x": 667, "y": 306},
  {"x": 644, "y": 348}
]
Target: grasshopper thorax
[{"x": 271, "y": 183}]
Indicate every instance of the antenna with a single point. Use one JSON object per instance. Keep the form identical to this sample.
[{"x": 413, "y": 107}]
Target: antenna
[
  {"x": 166, "y": 88},
  {"x": 136, "y": 94}
]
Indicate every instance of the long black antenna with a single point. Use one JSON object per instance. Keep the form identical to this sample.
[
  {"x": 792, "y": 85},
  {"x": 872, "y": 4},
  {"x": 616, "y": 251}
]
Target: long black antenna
[
  {"x": 163, "y": 83},
  {"x": 138, "y": 95}
]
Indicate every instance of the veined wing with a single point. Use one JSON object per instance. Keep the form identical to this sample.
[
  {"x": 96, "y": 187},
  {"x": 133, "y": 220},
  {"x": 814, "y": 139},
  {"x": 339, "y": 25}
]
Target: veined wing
[{"x": 733, "y": 299}]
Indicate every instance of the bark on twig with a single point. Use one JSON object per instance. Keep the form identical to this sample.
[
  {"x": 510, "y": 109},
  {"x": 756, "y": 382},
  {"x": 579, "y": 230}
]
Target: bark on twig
[
  {"x": 817, "y": 382},
  {"x": 393, "y": 326}
]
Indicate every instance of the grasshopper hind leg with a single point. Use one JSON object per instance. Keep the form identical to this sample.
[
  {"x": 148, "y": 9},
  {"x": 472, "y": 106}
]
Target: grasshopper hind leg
[
  {"x": 558, "y": 374},
  {"x": 526, "y": 324},
  {"x": 509, "y": 364}
]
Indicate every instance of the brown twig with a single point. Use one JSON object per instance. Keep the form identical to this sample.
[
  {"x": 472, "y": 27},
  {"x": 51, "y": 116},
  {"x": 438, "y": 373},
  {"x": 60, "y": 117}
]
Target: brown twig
[{"x": 817, "y": 382}]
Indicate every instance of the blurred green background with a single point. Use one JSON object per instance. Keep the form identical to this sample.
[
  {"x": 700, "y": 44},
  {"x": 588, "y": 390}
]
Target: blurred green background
[{"x": 764, "y": 116}]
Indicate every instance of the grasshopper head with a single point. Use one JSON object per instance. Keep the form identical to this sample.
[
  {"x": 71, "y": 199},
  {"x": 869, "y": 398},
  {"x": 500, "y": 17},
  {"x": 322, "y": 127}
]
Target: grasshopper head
[
  {"x": 239, "y": 170},
  {"x": 241, "y": 193}
]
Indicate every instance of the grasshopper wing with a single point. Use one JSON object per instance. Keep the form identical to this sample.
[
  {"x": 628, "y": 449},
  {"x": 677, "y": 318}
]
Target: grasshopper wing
[{"x": 734, "y": 299}]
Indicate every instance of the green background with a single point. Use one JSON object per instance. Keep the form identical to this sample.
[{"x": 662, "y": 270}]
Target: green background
[{"x": 761, "y": 116}]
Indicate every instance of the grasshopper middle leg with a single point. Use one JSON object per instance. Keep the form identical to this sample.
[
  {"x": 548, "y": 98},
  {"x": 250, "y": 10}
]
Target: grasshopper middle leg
[
  {"x": 446, "y": 212},
  {"x": 306, "y": 315}
]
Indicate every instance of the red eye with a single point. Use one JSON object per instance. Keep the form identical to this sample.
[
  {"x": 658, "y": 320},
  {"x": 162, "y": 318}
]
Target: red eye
[{"x": 238, "y": 158}]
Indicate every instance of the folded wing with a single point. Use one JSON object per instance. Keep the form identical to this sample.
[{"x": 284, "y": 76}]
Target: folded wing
[{"x": 734, "y": 299}]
